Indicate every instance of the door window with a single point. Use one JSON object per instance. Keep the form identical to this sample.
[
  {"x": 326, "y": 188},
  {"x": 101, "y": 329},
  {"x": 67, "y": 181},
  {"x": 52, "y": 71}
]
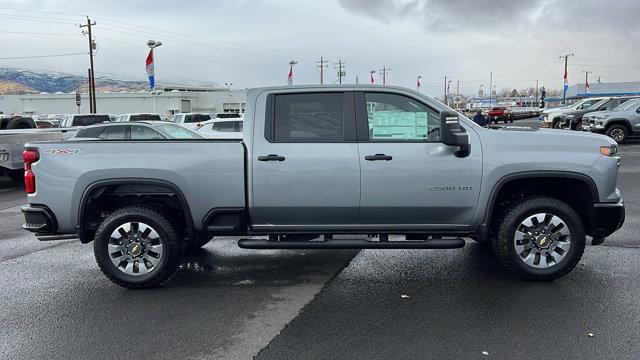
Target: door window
[
  {"x": 317, "y": 117},
  {"x": 393, "y": 117},
  {"x": 144, "y": 133}
]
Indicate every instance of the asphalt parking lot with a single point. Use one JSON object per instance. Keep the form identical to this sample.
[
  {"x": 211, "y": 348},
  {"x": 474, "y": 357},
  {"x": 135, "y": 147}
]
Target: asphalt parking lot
[{"x": 229, "y": 303}]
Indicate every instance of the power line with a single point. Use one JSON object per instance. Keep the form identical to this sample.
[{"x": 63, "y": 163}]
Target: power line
[
  {"x": 41, "y": 56},
  {"x": 35, "y": 33}
]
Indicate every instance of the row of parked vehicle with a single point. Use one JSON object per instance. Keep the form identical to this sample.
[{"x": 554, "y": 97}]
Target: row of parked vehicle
[
  {"x": 617, "y": 117},
  {"x": 506, "y": 114},
  {"x": 15, "y": 131}
]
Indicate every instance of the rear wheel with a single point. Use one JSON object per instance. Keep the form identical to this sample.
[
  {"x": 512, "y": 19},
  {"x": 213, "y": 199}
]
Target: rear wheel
[
  {"x": 540, "y": 239},
  {"x": 136, "y": 247},
  {"x": 618, "y": 133}
]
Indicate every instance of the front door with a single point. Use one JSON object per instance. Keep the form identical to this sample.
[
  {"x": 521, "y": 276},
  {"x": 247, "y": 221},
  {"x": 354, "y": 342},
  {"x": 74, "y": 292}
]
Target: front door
[
  {"x": 305, "y": 164},
  {"x": 411, "y": 180}
]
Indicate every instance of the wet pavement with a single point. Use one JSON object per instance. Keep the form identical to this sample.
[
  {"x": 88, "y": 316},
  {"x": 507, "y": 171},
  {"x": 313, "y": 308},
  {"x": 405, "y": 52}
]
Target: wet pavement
[{"x": 229, "y": 303}]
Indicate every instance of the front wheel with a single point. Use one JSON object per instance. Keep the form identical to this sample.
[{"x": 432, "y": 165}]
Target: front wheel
[
  {"x": 540, "y": 239},
  {"x": 618, "y": 133},
  {"x": 136, "y": 247}
]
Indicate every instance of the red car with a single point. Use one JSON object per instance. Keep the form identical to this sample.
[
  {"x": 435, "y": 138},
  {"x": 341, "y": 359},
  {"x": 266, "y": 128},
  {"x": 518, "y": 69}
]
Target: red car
[{"x": 498, "y": 113}]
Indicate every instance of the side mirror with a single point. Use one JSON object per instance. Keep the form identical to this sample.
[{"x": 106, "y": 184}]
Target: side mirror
[
  {"x": 638, "y": 110},
  {"x": 453, "y": 134}
]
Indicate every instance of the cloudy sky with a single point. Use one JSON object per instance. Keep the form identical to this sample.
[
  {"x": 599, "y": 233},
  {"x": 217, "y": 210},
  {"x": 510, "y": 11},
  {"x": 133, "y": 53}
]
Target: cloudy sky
[{"x": 249, "y": 42}]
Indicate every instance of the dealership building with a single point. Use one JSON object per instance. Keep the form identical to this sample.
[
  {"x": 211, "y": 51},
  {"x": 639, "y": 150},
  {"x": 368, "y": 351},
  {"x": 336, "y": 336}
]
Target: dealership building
[
  {"x": 577, "y": 91},
  {"x": 165, "y": 101}
]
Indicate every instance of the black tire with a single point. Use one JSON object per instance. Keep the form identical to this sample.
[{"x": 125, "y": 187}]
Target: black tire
[
  {"x": 617, "y": 129},
  {"x": 557, "y": 124},
  {"x": 1, "y": 172},
  {"x": 172, "y": 248},
  {"x": 16, "y": 175},
  {"x": 21, "y": 123},
  {"x": 504, "y": 242}
]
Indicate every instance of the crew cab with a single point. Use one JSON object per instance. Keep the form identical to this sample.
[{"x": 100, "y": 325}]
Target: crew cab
[{"x": 361, "y": 161}]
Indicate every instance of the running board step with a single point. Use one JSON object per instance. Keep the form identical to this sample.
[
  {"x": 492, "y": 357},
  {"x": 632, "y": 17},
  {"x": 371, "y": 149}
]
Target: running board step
[{"x": 452, "y": 243}]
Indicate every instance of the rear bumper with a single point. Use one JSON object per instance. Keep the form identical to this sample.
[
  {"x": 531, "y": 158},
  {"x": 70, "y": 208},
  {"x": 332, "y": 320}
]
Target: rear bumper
[
  {"x": 40, "y": 220},
  {"x": 608, "y": 217}
]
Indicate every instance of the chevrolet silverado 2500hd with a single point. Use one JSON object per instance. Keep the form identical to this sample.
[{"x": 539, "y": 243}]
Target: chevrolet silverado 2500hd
[{"x": 316, "y": 161}]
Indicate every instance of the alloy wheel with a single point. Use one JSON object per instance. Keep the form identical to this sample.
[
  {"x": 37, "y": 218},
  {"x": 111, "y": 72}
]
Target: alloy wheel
[
  {"x": 135, "y": 248},
  {"x": 542, "y": 240}
]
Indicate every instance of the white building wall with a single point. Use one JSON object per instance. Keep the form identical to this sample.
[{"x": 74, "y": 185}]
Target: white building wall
[{"x": 166, "y": 103}]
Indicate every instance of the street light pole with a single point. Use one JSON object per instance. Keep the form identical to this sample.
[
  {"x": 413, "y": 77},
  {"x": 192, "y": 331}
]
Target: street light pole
[{"x": 229, "y": 85}]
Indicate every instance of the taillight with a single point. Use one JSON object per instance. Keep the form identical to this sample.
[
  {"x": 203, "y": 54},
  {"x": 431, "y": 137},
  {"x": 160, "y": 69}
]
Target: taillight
[{"x": 29, "y": 157}]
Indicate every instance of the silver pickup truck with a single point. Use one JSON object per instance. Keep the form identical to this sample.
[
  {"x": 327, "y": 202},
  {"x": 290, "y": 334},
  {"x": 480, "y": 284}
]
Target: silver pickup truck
[{"x": 320, "y": 161}]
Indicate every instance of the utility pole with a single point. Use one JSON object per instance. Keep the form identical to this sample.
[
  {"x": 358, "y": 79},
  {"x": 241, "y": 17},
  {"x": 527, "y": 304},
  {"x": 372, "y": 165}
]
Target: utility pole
[
  {"x": 384, "y": 71},
  {"x": 445, "y": 100},
  {"x": 491, "y": 88},
  {"x": 92, "y": 79},
  {"x": 322, "y": 66},
  {"x": 339, "y": 66},
  {"x": 599, "y": 82},
  {"x": 565, "y": 80},
  {"x": 536, "y": 90},
  {"x": 458, "y": 87},
  {"x": 90, "y": 91},
  {"x": 586, "y": 80}
]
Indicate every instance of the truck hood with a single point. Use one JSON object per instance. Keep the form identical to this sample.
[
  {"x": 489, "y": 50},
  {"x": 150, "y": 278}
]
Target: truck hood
[{"x": 537, "y": 139}]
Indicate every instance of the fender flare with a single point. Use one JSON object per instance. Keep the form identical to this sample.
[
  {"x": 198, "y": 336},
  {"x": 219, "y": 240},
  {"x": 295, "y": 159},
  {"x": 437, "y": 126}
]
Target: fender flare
[
  {"x": 132, "y": 181},
  {"x": 488, "y": 212}
]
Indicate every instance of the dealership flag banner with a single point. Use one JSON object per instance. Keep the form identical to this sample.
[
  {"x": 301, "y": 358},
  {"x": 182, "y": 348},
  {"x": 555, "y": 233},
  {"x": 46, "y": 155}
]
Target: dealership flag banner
[
  {"x": 418, "y": 83},
  {"x": 372, "y": 79},
  {"x": 150, "y": 72},
  {"x": 566, "y": 81},
  {"x": 290, "y": 77}
]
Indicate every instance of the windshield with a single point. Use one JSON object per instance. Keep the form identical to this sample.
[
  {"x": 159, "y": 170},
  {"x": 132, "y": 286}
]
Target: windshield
[
  {"x": 627, "y": 105},
  {"x": 598, "y": 104},
  {"x": 145, "y": 117},
  {"x": 175, "y": 131}
]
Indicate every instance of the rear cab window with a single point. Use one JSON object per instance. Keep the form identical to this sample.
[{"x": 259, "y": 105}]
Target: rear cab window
[
  {"x": 195, "y": 118},
  {"x": 311, "y": 117},
  {"x": 84, "y": 120},
  {"x": 145, "y": 117}
]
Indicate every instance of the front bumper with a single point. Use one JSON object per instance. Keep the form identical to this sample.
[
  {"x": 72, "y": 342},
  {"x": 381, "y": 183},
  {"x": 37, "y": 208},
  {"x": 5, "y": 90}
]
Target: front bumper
[{"x": 608, "y": 217}]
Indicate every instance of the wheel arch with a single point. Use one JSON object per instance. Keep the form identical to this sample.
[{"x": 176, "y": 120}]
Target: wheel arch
[
  {"x": 102, "y": 185},
  {"x": 620, "y": 121},
  {"x": 544, "y": 179}
]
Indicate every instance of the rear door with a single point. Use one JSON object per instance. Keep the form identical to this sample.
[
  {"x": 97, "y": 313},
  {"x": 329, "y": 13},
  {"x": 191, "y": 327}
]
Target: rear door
[
  {"x": 409, "y": 178},
  {"x": 305, "y": 163}
]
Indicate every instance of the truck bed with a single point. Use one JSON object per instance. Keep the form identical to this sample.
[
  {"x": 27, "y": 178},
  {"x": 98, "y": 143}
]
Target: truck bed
[{"x": 207, "y": 172}]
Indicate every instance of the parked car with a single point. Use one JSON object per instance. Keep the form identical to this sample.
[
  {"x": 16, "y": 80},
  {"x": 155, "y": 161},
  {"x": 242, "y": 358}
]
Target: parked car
[
  {"x": 499, "y": 113},
  {"x": 74, "y": 120},
  {"x": 140, "y": 130},
  {"x": 222, "y": 129},
  {"x": 190, "y": 120},
  {"x": 573, "y": 119},
  {"x": 553, "y": 118},
  {"x": 308, "y": 167},
  {"x": 618, "y": 124},
  {"x": 138, "y": 117}
]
